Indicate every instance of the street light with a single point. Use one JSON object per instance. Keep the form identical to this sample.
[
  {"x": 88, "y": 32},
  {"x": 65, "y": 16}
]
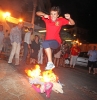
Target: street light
[
  {"x": 42, "y": 31},
  {"x": 74, "y": 34},
  {"x": 68, "y": 40},
  {"x": 64, "y": 29},
  {"x": 80, "y": 43},
  {"x": 6, "y": 15},
  {"x": 20, "y": 20}
]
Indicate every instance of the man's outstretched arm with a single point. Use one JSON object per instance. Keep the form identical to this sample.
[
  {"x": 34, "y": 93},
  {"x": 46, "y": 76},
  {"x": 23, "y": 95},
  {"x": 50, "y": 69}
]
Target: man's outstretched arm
[{"x": 41, "y": 14}]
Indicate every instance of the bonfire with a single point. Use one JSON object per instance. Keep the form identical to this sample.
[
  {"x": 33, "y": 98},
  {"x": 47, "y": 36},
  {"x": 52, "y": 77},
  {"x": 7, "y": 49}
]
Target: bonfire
[{"x": 44, "y": 81}]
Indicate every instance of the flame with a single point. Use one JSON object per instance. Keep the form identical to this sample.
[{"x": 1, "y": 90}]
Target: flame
[
  {"x": 46, "y": 76},
  {"x": 35, "y": 72},
  {"x": 49, "y": 76},
  {"x": 6, "y": 14}
]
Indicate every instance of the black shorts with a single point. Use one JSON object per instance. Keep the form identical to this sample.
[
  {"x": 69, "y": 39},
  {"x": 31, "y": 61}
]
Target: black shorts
[{"x": 92, "y": 64}]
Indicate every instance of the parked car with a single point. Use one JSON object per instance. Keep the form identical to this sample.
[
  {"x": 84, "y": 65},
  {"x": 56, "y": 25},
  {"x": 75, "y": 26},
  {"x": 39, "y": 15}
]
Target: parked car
[{"x": 82, "y": 59}]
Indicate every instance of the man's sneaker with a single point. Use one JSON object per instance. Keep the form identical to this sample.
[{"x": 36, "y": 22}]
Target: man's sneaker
[{"x": 50, "y": 66}]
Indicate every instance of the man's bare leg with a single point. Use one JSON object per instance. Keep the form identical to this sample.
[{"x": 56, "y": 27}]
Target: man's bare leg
[
  {"x": 89, "y": 69},
  {"x": 50, "y": 64},
  {"x": 48, "y": 52}
]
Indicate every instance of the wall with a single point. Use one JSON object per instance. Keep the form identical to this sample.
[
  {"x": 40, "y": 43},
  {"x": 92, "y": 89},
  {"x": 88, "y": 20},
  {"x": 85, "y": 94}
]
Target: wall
[{"x": 86, "y": 47}]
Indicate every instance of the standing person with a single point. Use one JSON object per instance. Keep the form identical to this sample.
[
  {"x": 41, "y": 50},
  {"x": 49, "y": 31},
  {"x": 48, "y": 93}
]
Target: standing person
[
  {"x": 92, "y": 59},
  {"x": 26, "y": 44},
  {"x": 53, "y": 26},
  {"x": 40, "y": 53},
  {"x": 35, "y": 46},
  {"x": 1, "y": 38},
  {"x": 66, "y": 55},
  {"x": 63, "y": 50},
  {"x": 16, "y": 39},
  {"x": 74, "y": 52},
  {"x": 57, "y": 54}
]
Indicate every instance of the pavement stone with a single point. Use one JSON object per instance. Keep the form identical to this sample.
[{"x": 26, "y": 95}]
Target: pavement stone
[{"x": 14, "y": 85}]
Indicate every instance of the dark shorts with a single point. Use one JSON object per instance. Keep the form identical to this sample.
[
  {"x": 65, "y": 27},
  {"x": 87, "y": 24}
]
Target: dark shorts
[
  {"x": 92, "y": 64},
  {"x": 53, "y": 44}
]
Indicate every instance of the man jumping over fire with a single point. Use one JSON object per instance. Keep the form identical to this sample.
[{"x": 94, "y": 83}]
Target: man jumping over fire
[{"x": 53, "y": 25}]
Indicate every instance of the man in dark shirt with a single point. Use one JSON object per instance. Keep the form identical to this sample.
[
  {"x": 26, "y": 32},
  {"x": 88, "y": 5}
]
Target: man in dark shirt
[{"x": 35, "y": 46}]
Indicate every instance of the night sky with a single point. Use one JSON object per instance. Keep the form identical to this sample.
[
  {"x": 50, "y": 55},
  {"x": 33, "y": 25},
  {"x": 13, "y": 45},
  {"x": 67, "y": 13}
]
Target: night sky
[{"x": 84, "y": 12}]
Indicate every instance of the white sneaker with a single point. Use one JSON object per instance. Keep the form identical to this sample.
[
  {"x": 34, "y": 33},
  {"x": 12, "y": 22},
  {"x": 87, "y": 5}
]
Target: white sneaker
[{"x": 50, "y": 66}]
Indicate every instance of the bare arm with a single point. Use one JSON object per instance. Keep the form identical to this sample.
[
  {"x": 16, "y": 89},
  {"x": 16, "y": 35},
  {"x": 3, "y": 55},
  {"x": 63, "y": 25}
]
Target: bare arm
[
  {"x": 41, "y": 14},
  {"x": 71, "y": 21},
  {"x": 32, "y": 51}
]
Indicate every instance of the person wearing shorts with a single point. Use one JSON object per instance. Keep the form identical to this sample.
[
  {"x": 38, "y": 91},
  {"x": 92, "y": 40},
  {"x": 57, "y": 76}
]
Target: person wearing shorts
[
  {"x": 53, "y": 26},
  {"x": 92, "y": 59},
  {"x": 57, "y": 56}
]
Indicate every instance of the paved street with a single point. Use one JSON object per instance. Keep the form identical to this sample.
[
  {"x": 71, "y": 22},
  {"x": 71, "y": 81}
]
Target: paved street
[
  {"x": 14, "y": 85},
  {"x": 78, "y": 84}
]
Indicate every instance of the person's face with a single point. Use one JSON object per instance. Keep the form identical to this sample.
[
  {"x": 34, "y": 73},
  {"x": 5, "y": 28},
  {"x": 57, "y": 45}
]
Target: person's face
[
  {"x": 20, "y": 25},
  {"x": 54, "y": 15},
  {"x": 74, "y": 45},
  {"x": 94, "y": 48},
  {"x": 36, "y": 38},
  {"x": 42, "y": 37},
  {"x": 31, "y": 31}
]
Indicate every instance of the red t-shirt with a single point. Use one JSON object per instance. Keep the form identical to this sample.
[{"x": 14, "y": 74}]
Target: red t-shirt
[
  {"x": 53, "y": 28},
  {"x": 75, "y": 51}
]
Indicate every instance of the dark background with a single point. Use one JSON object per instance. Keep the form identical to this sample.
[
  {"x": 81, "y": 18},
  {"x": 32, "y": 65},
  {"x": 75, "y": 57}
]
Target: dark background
[{"x": 84, "y": 12}]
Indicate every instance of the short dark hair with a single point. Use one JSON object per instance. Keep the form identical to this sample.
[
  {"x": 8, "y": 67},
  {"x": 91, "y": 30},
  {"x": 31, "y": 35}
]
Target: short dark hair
[
  {"x": 56, "y": 9},
  {"x": 30, "y": 29},
  {"x": 36, "y": 36}
]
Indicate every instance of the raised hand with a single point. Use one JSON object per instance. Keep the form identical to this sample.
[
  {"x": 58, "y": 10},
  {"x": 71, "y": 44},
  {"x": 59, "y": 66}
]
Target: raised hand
[
  {"x": 67, "y": 16},
  {"x": 46, "y": 16}
]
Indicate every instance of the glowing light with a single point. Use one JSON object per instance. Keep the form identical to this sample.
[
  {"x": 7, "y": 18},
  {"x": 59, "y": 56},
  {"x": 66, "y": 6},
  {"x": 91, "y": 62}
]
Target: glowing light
[
  {"x": 64, "y": 29},
  {"x": 68, "y": 40},
  {"x": 20, "y": 20},
  {"x": 77, "y": 42},
  {"x": 46, "y": 76},
  {"x": 74, "y": 35},
  {"x": 80, "y": 43},
  {"x": 42, "y": 31},
  {"x": 49, "y": 76},
  {"x": 6, "y": 15},
  {"x": 34, "y": 73}
]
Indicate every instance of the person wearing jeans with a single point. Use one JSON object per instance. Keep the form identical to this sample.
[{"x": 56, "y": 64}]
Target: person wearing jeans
[
  {"x": 15, "y": 37},
  {"x": 26, "y": 44},
  {"x": 40, "y": 53}
]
